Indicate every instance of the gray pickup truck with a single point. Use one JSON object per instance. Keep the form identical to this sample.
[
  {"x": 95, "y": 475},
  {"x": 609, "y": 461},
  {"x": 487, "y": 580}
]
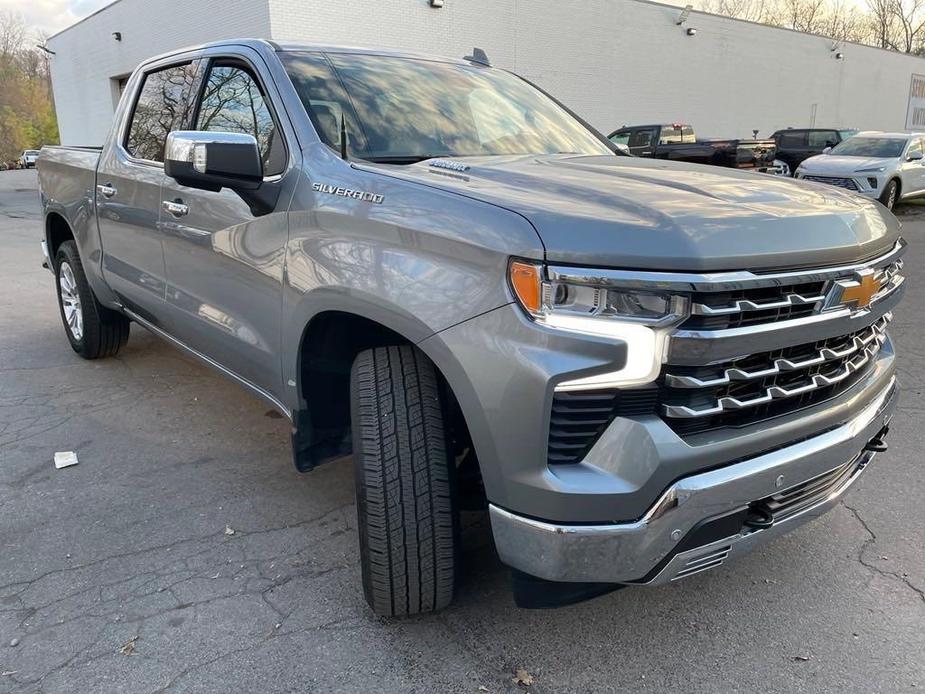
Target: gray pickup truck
[{"x": 640, "y": 368}]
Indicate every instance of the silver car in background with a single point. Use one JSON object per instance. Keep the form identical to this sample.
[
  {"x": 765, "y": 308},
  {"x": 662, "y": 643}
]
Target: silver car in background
[{"x": 886, "y": 166}]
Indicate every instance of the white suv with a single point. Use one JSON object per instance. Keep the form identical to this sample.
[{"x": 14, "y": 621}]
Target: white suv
[{"x": 885, "y": 166}]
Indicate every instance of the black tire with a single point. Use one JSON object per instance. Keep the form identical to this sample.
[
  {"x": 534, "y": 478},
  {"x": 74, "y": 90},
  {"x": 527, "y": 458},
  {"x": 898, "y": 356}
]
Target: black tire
[
  {"x": 406, "y": 506},
  {"x": 102, "y": 332},
  {"x": 890, "y": 194}
]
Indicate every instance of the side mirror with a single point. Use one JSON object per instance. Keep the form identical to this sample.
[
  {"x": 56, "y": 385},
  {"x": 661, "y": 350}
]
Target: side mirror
[
  {"x": 622, "y": 149},
  {"x": 212, "y": 161},
  {"x": 914, "y": 156},
  {"x": 827, "y": 150}
]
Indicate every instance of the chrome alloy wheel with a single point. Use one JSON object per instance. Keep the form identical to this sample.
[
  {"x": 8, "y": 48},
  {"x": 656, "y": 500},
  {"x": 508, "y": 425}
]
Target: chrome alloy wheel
[{"x": 70, "y": 301}]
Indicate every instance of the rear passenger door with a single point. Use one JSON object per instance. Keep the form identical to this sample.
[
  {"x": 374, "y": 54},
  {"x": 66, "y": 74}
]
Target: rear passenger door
[
  {"x": 129, "y": 177},
  {"x": 224, "y": 261}
]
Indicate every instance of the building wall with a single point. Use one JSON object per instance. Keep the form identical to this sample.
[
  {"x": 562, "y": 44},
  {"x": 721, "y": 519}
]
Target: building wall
[
  {"x": 615, "y": 62},
  {"x": 88, "y": 59}
]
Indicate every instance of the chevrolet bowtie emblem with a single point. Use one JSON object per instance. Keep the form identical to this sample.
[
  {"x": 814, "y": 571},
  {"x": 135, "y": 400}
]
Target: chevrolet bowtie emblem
[{"x": 858, "y": 292}]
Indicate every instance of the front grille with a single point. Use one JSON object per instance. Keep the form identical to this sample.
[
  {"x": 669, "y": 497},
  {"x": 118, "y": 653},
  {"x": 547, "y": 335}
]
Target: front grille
[
  {"x": 743, "y": 391},
  {"x": 579, "y": 418},
  {"x": 846, "y": 183},
  {"x": 744, "y": 307}
]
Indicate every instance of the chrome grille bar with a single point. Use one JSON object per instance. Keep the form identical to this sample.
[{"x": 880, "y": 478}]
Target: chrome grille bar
[
  {"x": 777, "y": 392},
  {"x": 743, "y": 305},
  {"x": 826, "y": 354}
]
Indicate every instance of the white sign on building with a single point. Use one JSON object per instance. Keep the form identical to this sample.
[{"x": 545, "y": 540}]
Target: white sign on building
[{"x": 915, "y": 116}]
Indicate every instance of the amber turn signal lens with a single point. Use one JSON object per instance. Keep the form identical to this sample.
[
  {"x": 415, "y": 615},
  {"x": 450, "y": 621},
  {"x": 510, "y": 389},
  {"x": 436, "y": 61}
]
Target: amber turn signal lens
[{"x": 526, "y": 282}]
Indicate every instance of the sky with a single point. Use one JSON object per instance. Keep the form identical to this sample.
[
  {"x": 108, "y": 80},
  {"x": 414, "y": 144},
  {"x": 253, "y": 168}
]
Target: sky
[{"x": 50, "y": 16}]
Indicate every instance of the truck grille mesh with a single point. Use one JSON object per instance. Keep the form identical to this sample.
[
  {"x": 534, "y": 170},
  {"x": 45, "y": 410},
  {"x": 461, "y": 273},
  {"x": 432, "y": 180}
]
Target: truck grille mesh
[{"x": 846, "y": 183}]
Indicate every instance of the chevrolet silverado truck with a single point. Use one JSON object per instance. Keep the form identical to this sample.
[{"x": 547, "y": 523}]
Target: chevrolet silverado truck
[{"x": 640, "y": 368}]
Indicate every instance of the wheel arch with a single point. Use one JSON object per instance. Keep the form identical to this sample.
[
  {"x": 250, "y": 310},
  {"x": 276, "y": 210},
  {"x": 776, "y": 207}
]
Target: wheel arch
[
  {"x": 329, "y": 343},
  {"x": 57, "y": 231}
]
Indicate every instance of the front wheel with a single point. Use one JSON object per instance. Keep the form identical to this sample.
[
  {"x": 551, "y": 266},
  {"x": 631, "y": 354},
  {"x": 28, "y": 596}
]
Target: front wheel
[
  {"x": 889, "y": 194},
  {"x": 406, "y": 506},
  {"x": 93, "y": 330}
]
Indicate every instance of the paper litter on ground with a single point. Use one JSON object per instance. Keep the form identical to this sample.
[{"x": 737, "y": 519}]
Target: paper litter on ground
[{"x": 65, "y": 459}]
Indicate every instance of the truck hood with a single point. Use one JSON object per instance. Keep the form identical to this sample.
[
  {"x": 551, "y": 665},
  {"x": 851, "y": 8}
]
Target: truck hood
[
  {"x": 624, "y": 212},
  {"x": 832, "y": 164}
]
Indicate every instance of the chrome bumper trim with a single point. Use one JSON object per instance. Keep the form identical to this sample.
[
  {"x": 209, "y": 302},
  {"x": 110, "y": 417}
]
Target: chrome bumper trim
[{"x": 627, "y": 552}]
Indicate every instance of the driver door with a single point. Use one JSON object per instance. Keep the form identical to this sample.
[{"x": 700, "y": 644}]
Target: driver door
[{"x": 224, "y": 261}]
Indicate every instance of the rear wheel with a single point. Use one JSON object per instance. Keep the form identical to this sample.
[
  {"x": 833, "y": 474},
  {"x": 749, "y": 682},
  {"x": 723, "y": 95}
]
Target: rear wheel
[
  {"x": 890, "y": 194},
  {"x": 93, "y": 330},
  {"x": 406, "y": 506}
]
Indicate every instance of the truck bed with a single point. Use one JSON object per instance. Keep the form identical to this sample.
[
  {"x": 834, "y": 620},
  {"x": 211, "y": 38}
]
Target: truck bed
[{"x": 68, "y": 174}]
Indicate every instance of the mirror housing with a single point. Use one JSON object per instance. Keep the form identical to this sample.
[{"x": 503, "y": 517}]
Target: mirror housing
[
  {"x": 213, "y": 160},
  {"x": 827, "y": 150},
  {"x": 622, "y": 148},
  {"x": 915, "y": 156}
]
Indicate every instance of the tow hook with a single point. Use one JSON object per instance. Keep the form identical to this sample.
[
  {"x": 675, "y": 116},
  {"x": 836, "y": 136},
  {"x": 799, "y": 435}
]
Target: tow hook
[
  {"x": 878, "y": 443},
  {"x": 759, "y": 517}
]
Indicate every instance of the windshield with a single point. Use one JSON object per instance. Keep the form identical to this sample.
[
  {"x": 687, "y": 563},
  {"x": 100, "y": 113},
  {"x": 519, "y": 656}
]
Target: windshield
[
  {"x": 400, "y": 110},
  {"x": 882, "y": 147},
  {"x": 31, "y": 151}
]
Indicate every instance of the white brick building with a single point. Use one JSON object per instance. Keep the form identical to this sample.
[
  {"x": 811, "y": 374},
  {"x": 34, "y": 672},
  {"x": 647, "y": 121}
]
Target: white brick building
[{"x": 615, "y": 62}]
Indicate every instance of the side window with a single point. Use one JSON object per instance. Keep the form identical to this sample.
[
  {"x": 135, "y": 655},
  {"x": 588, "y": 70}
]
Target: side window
[
  {"x": 820, "y": 139},
  {"x": 162, "y": 106},
  {"x": 792, "y": 139},
  {"x": 232, "y": 102},
  {"x": 622, "y": 138},
  {"x": 642, "y": 138}
]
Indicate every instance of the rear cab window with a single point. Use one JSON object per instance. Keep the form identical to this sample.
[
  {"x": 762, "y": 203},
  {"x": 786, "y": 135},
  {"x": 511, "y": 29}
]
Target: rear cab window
[
  {"x": 161, "y": 107},
  {"x": 676, "y": 134}
]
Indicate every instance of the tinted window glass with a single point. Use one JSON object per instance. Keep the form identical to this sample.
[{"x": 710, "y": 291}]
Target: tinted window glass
[
  {"x": 162, "y": 106},
  {"x": 819, "y": 139},
  {"x": 642, "y": 138},
  {"x": 403, "y": 110},
  {"x": 857, "y": 146},
  {"x": 790, "y": 140},
  {"x": 233, "y": 102},
  {"x": 324, "y": 99}
]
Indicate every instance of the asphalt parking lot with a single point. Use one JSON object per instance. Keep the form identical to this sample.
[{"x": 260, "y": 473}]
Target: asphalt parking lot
[{"x": 185, "y": 553}]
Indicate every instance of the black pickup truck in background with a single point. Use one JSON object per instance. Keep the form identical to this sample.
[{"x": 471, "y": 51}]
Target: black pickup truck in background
[
  {"x": 796, "y": 145},
  {"x": 677, "y": 142}
]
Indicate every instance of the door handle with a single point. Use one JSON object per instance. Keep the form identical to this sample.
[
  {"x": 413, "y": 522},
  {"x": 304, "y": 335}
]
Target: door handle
[
  {"x": 106, "y": 190},
  {"x": 175, "y": 207}
]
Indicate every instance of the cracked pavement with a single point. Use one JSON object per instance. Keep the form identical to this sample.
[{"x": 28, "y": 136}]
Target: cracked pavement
[{"x": 119, "y": 575}]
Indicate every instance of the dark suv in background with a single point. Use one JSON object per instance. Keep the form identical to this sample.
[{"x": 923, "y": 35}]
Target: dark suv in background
[{"x": 794, "y": 145}]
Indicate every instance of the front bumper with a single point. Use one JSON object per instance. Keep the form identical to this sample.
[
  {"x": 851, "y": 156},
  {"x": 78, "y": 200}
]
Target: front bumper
[{"x": 656, "y": 548}]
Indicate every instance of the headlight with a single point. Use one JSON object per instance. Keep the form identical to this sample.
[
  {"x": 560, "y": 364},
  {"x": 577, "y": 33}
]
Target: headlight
[
  {"x": 876, "y": 169},
  {"x": 640, "y": 318}
]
